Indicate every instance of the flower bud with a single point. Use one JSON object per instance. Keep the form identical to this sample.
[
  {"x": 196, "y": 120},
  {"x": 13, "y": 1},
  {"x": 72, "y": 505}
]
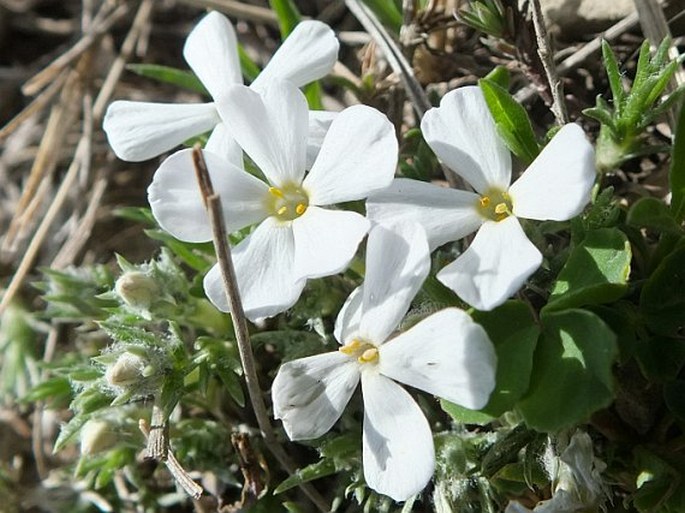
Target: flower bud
[
  {"x": 128, "y": 370},
  {"x": 136, "y": 289},
  {"x": 96, "y": 436}
]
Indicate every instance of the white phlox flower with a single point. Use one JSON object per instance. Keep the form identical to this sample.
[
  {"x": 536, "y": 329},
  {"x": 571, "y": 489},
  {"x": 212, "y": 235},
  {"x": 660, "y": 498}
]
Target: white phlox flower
[
  {"x": 296, "y": 237},
  {"x": 446, "y": 354},
  {"x": 556, "y": 186},
  {"x": 139, "y": 131}
]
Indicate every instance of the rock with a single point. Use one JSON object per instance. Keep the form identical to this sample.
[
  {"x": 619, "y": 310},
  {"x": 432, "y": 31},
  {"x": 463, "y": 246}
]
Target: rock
[{"x": 573, "y": 18}]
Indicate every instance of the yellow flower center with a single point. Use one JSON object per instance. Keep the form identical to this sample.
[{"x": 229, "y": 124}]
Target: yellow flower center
[
  {"x": 495, "y": 205},
  {"x": 287, "y": 202},
  {"x": 364, "y": 352}
]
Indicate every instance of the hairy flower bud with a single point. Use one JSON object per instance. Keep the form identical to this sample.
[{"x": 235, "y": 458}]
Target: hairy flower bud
[
  {"x": 136, "y": 289},
  {"x": 96, "y": 436},
  {"x": 128, "y": 370}
]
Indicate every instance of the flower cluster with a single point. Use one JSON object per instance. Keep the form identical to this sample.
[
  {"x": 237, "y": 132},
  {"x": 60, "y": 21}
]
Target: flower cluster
[{"x": 310, "y": 163}]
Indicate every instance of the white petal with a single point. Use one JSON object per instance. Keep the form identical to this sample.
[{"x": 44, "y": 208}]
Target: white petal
[
  {"x": 447, "y": 355},
  {"x": 497, "y": 263},
  {"x": 139, "y": 131},
  {"x": 271, "y": 128},
  {"x": 446, "y": 214},
  {"x": 222, "y": 143},
  {"x": 211, "y": 50},
  {"x": 398, "y": 453},
  {"x": 307, "y": 54},
  {"x": 358, "y": 157},
  {"x": 310, "y": 394},
  {"x": 349, "y": 317},
  {"x": 264, "y": 264},
  {"x": 319, "y": 123},
  {"x": 462, "y": 133},
  {"x": 177, "y": 205},
  {"x": 558, "y": 183},
  {"x": 326, "y": 241},
  {"x": 397, "y": 263}
]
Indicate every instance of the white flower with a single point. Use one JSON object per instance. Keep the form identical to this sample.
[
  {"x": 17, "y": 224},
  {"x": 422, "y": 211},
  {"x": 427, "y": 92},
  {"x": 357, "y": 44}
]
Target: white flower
[
  {"x": 296, "y": 238},
  {"x": 141, "y": 130},
  {"x": 446, "y": 354},
  {"x": 556, "y": 186}
]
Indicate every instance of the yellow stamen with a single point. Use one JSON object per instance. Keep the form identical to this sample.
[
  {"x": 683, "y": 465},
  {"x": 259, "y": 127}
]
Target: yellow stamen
[
  {"x": 300, "y": 209},
  {"x": 484, "y": 201},
  {"x": 350, "y": 348},
  {"x": 282, "y": 210},
  {"x": 501, "y": 208},
  {"x": 276, "y": 192},
  {"x": 369, "y": 355}
]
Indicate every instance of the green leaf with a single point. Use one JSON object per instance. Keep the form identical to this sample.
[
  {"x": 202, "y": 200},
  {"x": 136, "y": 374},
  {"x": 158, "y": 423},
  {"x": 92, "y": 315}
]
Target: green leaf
[
  {"x": 571, "y": 376},
  {"x": 662, "y": 301},
  {"x": 506, "y": 449},
  {"x": 661, "y": 358},
  {"x": 463, "y": 415},
  {"x": 247, "y": 66},
  {"x": 512, "y": 121},
  {"x": 674, "y": 396},
  {"x": 602, "y": 115},
  {"x": 615, "y": 83},
  {"x": 321, "y": 468},
  {"x": 387, "y": 13},
  {"x": 500, "y": 76},
  {"x": 654, "y": 214},
  {"x": 677, "y": 170},
  {"x": 168, "y": 75},
  {"x": 596, "y": 271},
  {"x": 287, "y": 14}
]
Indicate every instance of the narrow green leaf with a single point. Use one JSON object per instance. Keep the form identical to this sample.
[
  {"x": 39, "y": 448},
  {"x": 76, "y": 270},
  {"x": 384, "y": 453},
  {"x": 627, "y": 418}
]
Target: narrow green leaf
[
  {"x": 248, "y": 67},
  {"x": 387, "y": 13},
  {"x": 677, "y": 170},
  {"x": 321, "y": 468},
  {"x": 643, "y": 65},
  {"x": 602, "y": 115},
  {"x": 513, "y": 123},
  {"x": 596, "y": 271},
  {"x": 654, "y": 214},
  {"x": 612, "y": 69},
  {"x": 572, "y": 375},
  {"x": 168, "y": 75},
  {"x": 288, "y": 15},
  {"x": 500, "y": 76}
]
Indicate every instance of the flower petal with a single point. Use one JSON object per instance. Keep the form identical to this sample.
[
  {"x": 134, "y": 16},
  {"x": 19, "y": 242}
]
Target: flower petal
[
  {"x": 398, "y": 452},
  {"x": 397, "y": 263},
  {"x": 447, "y": 355},
  {"x": 222, "y": 143},
  {"x": 211, "y": 50},
  {"x": 462, "y": 133},
  {"x": 271, "y": 128},
  {"x": 558, "y": 183},
  {"x": 358, "y": 157},
  {"x": 310, "y": 394},
  {"x": 497, "y": 263},
  {"x": 326, "y": 241},
  {"x": 264, "y": 264},
  {"x": 446, "y": 214},
  {"x": 307, "y": 54},
  {"x": 349, "y": 317},
  {"x": 177, "y": 205},
  {"x": 139, "y": 131},
  {"x": 319, "y": 123}
]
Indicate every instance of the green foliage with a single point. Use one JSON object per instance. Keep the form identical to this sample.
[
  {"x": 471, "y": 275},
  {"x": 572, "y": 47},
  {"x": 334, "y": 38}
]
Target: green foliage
[
  {"x": 662, "y": 301},
  {"x": 168, "y": 75},
  {"x": 596, "y": 271},
  {"x": 511, "y": 119},
  {"x": 486, "y": 16},
  {"x": 677, "y": 171},
  {"x": 623, "y": 124},
  {"x": 388, "y": 12},
  {"x": 571, "y": 376}
]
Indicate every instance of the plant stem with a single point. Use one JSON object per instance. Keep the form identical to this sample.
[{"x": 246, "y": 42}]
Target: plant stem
[{"x": 223, "y": 254}]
